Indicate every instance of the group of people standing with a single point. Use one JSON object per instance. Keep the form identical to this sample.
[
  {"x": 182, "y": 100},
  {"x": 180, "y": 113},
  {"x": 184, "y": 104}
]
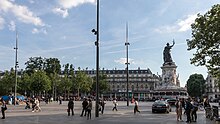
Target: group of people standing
[
  {"x": 87, "y": 107},
  {"x": 190, "y": 107}
]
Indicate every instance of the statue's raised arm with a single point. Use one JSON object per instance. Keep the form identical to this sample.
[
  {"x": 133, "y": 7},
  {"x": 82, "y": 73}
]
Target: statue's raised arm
[{"x": 173, "y": 43}]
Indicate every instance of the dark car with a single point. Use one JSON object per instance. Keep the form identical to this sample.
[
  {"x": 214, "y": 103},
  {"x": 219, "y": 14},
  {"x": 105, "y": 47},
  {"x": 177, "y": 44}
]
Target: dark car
[{"x": 161, "y": 106}]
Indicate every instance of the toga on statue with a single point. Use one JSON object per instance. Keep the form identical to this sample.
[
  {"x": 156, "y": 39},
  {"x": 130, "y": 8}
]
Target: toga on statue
[{"x": 166, "y": 53}]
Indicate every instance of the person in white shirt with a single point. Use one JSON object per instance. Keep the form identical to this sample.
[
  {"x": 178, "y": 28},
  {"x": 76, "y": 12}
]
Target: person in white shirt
[
  {"x": 136, "y": 107},
  {"x": 115, "y": 103}
]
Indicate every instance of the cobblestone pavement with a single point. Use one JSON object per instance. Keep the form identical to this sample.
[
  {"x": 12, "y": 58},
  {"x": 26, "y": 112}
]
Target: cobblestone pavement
[{"x": 54, "y": 113}]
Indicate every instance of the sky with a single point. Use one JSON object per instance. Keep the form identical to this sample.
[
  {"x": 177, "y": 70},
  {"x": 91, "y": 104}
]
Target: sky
[{"x": 62, "y": 29}]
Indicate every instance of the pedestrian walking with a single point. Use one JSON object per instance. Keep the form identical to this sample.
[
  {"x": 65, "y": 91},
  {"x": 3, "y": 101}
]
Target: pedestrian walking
[
  {"x": 3, "y": 108},
  {"x": 60, "y": 100},
  {"x": 89, "y": 109},
  {"x": 136, "y": 107},
  {"x": 27, "y": 104},
  {"x": 179, "y": 106},
  {"x": 84, "y": 107},
  {"x": 70, "y": 107},
  {"x": 37, "y": 107},
  {"x": 102, "y": 103},
  {"x": 115, "y": 103}
]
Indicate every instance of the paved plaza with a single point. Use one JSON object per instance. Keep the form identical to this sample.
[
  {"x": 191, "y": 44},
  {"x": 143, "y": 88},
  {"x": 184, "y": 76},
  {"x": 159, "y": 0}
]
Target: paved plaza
[{"x": 54, "y": 113}]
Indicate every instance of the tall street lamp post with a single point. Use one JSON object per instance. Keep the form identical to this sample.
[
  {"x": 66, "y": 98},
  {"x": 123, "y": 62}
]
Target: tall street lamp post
[
  {"x": 96, "y": 32},
  {"x": 16, "y": 66},
  {"x": 126, "y": 44}
]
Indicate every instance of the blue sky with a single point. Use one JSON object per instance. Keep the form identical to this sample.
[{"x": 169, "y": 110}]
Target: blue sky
[{"x": 62, "y": 29}]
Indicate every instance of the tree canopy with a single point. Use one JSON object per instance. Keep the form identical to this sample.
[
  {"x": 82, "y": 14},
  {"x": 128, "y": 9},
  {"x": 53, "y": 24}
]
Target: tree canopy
[
  {"x": 206, "y": 40},
  {"x": 195, "y": 85}
]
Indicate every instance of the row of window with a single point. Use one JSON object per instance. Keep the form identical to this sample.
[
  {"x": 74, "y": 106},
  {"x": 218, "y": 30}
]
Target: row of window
[
  {"x": 132, "y": 80},
  {"x": 130, "y": 75},
  {"x": 132, "y": 86}
]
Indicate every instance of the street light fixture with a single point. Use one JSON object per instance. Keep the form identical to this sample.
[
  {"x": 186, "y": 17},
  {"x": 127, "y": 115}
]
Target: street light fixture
[
  {"x": 16, "y": 66},
  {"x": 126, "y": 44},
  {"x": 96, "y": 32}
]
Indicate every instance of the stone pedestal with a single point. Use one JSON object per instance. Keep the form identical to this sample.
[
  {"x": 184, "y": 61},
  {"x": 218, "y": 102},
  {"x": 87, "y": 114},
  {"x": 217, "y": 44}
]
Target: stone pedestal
[{"x": 169, "y": 76}]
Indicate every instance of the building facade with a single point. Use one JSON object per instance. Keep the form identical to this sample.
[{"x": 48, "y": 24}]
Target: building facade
[
  {"x": 141, "y": 83},
  {"x": 212, "y": 89}
]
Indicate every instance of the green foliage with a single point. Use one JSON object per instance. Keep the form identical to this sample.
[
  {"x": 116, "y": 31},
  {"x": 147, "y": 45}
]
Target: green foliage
[
  {"x": 40, "y": 82},
  {"x": 52, "y": 65},
  {"x": 34, "y": 63},
  {"x": 24, "y": 84},
  {"x": 103, "y": 84},
  {"x": 82, "y": 81},
  {"x": 196, "y": 85},
  {"x": 7, "y": 83},
  {"x": 206, "y": 40}
]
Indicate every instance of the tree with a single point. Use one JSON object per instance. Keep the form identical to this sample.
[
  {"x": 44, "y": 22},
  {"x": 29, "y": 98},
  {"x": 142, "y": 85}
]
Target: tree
[
  {"x": 33, "y": 64},
  {"x": 52, "y": 65},
  {"x": 206, "y": 40},
  {"x": 83, "y": 83},
  {"x": 24, "y": 84},
  {"x": 103, "y": 84},
  {"x": 196, "y": 85},
  {"x": 40, "y": 82},
  {"x": 7, "y": 83}
]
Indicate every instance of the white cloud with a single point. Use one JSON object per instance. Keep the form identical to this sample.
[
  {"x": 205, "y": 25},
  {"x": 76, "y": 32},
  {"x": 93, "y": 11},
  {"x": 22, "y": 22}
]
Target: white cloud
[
  {"x": 166, "y": 29},
  {"x": 37, "y": 31},
  {"x": 21, "y": 12},
  {"x": 185, "y": 25},
  {"x": 2, "y": 21},
  {"x": 179, "y": 26},
  {"x": 68, "y": 4},
  {"x": 12, "y": 26},
  {"x": 124, "y": 60},
  {"x": 60, "y": 11}
]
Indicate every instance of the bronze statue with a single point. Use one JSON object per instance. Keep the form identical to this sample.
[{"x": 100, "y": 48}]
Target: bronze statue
[{"x": 166, "y": 53}]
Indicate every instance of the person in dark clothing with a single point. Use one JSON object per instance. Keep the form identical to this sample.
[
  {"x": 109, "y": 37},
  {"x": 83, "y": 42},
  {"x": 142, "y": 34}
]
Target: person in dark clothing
[
  {"x": 188, "y": 110},
  {"x": 3, "y": 108},
  {"x": 33, "y": 103},
  {"x": 89, "y": 109},
  {"x": 195, "y": 106},
  {"x": 102, "y": 103},
  {"x": 27, "y": 105},
  {"x": 84, "y": 105},
  {"x": 60, "y": 100},
  {"x": 70, "y": 107}
]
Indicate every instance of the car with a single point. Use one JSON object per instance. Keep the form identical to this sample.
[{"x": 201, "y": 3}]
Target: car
[
  {"x": 171, "y": 101},
  {"x": 161, "y": 106}
]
